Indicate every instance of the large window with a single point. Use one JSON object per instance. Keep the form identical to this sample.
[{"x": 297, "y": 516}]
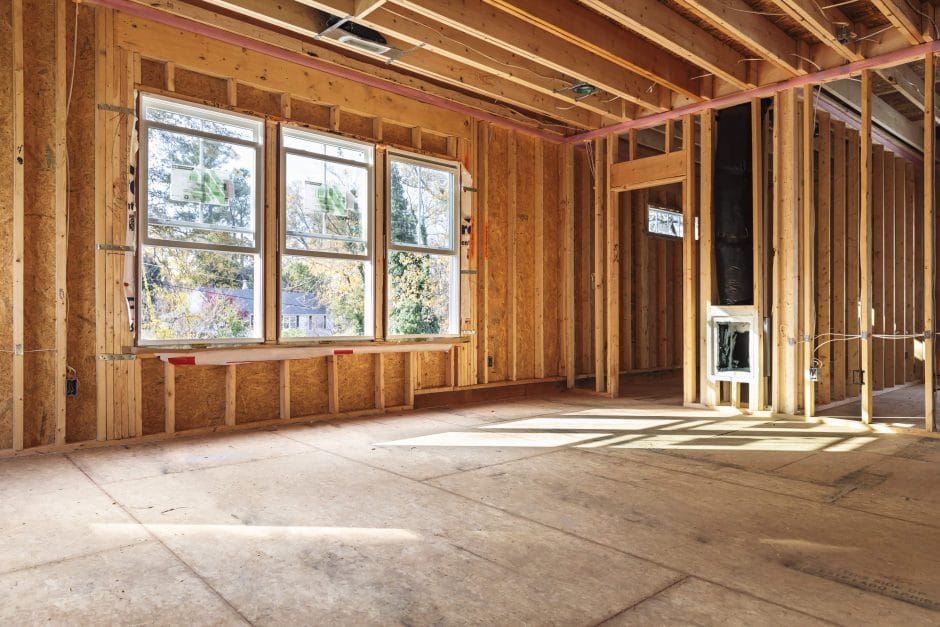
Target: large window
[
  {"x": 326, "y": 238},
  {"x": 423, "y": 268},
  {"x": 200, "y": 198}
]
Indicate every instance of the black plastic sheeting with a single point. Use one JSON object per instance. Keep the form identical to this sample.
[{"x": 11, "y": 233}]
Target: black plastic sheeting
[{"x": 732, "y": 199}]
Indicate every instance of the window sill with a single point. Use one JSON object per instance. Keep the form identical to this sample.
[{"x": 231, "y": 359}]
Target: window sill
[{"x": 150, "y": 350}]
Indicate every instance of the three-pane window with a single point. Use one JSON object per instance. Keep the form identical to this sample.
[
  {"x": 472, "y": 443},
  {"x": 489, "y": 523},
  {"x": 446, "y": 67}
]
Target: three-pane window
[{"x": 201, "y": 257}]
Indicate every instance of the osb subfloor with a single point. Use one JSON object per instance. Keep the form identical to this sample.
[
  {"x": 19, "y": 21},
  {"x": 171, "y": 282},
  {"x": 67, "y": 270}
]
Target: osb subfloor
[
  {"x": 571, "y": 510},
  {"x": 903, "y": 402}
]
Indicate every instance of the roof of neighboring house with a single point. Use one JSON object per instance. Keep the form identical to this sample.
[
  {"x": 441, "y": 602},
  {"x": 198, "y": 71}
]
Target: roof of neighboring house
[{"x": 292, "y": 303}]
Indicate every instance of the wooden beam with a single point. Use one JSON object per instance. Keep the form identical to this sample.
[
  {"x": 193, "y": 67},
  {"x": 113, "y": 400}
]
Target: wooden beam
[
  {"x": 877, "y": 266},
  {"x": 821, "y": 24},
  {"x": 649, "y": 171},
  {"x": 852, "y": 256},
  {"x": 930, "y": 259},
  {"x": 689, "y": 268},
  {"x": 865, "y": 249},
  {"x": 231, "y": 382},
  {"x": 738, "y": 20},
  {"x": 675, "y": 33},
  {"x": 600, "y": 269},
  {"x": 883, "y": 114},
  {"x": 169, "y": 397},
  {"x": 484, "y": 22},
  {"x": 757, "y": 396},
  {"x": 594, "y": 33},
  {"x": 332, "y": 383},
  {"x": 19, "y": 216},
  {"x": 786, "y": 317},
  {"x": 899, "y": 258},
  {"x": 902, "y": 15},
  {"x": 820, "y": 346},
  {"x": 613, "y": 271},
  {"x": 709, "y": 390},
  {"x": 362, "y": 8},
  {"x": 837, "y": 281},
  {"x": 445, "y": 58},
  {"x": 808, "y": 229},
  {"x": 568, "y": 206},
  {"x": 165, "y": 43}
]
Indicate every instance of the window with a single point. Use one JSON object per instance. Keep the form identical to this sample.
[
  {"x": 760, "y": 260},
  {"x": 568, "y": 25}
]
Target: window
[
  {"x": 664, "y": 222},
  {"x": 423, "y": 267},
  {"x": 200, "y": 200},
  {"x": 326, "y": 238}
]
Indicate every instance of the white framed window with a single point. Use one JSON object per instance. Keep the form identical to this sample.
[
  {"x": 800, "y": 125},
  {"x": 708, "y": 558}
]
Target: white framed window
[
  {"x": 201, "y": 189},
  {"x": 423, "y": 268},
  {"x": 327, "y": 192},
  {"x": 665, "y": 222}
]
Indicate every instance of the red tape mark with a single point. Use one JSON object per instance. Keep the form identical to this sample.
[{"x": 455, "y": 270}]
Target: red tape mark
[
  {"x": 343, "y": 351},
  {"x": 189, "y": 360}
]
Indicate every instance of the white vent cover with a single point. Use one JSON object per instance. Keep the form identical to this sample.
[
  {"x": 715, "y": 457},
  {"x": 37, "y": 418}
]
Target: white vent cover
[{"x": 732, "y": 344}]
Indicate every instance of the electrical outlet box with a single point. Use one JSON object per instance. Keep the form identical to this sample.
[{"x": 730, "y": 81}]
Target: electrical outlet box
[
  {"x": 489, "y": 361},
  {"x": 814, "y": 374},
  {"x": 71, "y": 387}
]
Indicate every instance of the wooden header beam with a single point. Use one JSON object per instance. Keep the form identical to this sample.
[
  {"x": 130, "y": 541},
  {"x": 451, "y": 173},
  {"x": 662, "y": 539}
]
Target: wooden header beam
[{"x": 648, "y": 171}]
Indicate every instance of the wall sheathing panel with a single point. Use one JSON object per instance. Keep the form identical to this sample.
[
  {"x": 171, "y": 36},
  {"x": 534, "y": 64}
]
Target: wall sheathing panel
[
  {"x": 81, "y": 410},
  {"x": 200, "y": 396},
  {"x": 308, "y": 387},
  {"x": 43, "y": 37},
  {"x": 7, "y": 146},
  {"x": 895, "y": 250}
]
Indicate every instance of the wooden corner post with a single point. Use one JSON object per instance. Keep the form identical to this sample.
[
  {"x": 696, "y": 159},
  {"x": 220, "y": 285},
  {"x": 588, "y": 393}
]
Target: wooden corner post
[{"x": 930, "y": 226}]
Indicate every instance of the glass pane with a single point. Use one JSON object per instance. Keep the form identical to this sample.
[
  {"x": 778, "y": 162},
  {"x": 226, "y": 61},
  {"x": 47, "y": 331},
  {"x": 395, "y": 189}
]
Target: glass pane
[
  {"x": 664, "y": 222},
  {"x": 216, "y": 123},
  {"x": 198, "y": 295},
  {"x": 327, "y": 206},
  {"x": 422, "y": 203},
  {"x": 420, "y": 293},
  {"x": 325, "y": 297},
  {"x": 200, "y": 190},
  {"x": 322, "y": 146}
]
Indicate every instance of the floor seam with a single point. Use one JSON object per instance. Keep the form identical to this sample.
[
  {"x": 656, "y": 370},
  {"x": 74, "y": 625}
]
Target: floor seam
[
  {"x": 156, "y": 538},
  {"x": 623, "y": 611},
  {"x": 183, "y": 472},
  {"x": 751, "y": 487},
  {"x": 647, "y": 560},
  {"x": 75, "y": 557}
]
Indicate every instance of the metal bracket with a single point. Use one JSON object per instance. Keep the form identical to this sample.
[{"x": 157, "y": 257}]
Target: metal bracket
[
  {"x": 116, "y": 357},
  {"x": 863, "y": 335},
  {"x": 18, "y": 349},
  {"x": 115, "y": 248},
  {"x": 468, "y": 272},
  {"x": 115, "y": 109},
  {"x": 470, "y": 189},
  {"x": 469, "y": 332}
]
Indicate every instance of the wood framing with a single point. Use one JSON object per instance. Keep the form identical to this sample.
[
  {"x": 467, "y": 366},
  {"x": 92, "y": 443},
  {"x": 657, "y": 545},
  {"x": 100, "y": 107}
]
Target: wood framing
[
  {"x": 865, "y": 247},
  {"x": 807, "y": 278},
  {"x": 649, "y": 171},
  {"x": 689, "y": 270},
  {"x": 930, "y": 254},
  {"x": 709, "y": 390}
]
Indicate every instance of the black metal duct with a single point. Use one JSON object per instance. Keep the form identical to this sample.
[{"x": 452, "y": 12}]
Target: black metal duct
[{"x": 732, "y": 200}]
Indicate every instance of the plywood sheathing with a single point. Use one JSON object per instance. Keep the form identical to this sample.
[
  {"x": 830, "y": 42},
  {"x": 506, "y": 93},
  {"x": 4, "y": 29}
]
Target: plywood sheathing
[
  {"x": 394, "y": 372},
  {"x": 200, "y": 396},
  {"x": 257, "y": 393},
  {"x": 153, "y": 406},
  {"x": 7, "y": 147},
  {"x": 308, "y": 387},
  {"x": 357, "y": 373},
  {"x": 81, "y": 410},
  {"x": 43, "y": 32}
]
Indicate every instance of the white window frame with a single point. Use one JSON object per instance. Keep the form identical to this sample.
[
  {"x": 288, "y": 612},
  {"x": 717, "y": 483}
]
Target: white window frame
[
  {"x": 368, "y": 212},
  {"x": 453, "y": 251},
  {"x": 222, "y": 117}
]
